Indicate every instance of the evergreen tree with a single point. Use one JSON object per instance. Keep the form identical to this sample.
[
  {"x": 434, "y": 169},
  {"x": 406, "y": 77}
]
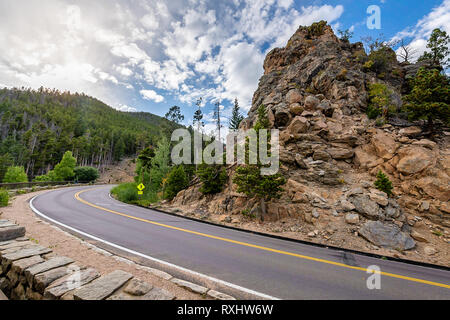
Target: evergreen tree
[
  {"x": 236, "y": 116},
  {"x": 174, "y": 114},
  {"x": 213, "y": 178},
  {"x": 383, "y": 183},
  {"x": 177, "y": 180},
  {"x": 249, "y": 178},
  {"x": 159, "y": 165},
  {"x": 430, "y": 97},
  {"x": 439, "y": 51}
]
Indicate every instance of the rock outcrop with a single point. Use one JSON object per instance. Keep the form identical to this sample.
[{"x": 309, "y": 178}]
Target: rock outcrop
[{"x": 315, "y": 91}]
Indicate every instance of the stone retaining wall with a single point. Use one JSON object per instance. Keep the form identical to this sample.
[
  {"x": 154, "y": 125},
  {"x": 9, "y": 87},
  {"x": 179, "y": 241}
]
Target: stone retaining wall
[{"x": 29, "y": 271}]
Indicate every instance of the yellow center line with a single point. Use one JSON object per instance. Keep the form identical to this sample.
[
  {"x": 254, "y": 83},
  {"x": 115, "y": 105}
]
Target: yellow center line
[{"x": 77, "y": 196}]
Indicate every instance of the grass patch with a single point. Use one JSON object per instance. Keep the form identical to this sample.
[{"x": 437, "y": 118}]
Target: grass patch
[
  {"x": 4, "y": 198},
  {"x": 128, "y": 192}
]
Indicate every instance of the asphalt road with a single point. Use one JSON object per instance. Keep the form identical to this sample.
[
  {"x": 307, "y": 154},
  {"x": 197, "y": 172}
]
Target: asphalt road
[{"x": 279, "y": 268}]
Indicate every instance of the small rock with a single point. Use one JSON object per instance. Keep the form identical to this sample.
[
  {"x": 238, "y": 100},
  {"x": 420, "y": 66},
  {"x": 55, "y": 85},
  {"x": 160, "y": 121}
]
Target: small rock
[
  {"x": 352, "y": 218},
  {"x": 347, "y": 206},
  {"x": 429, "y": 250},
  {"x": 418, "y": 237},
  {"x": 311, "y": 234},
  {"x": 315, "y": 213},
  {"x": 425, "y": 206}
]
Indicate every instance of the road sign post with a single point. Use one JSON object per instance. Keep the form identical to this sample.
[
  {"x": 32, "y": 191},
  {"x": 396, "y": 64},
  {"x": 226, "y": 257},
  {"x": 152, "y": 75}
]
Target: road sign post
[{"x": 140, "y": 188}]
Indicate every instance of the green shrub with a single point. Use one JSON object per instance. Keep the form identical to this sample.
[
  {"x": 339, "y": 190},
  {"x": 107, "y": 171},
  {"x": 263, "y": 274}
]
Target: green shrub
[
  {"x": 212, "y": 177},
  {"x": 15, "y": 174},
  {"x": 126, "y": 192},
  {"x": 176, "y": 181},
  {"x": 316, "y": 29},
  {"x": 4, "y": 198},
  {"x": 380, "y": 102},
  {"x": 383, "y": 183},
  {"x": 64, "y": 170},
  {"x": 86, "y": 174},
  {"x": 381, "y": 59}
]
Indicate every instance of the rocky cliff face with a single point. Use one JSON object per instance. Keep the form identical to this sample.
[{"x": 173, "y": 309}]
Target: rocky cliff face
[{"x": 315, "y": 91}]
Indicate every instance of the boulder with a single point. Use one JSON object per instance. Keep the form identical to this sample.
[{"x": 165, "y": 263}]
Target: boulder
[
  {"x": 410, "y": 131},
  {"x": 311, "y": 103},
  {"x": 298, "y": 125},
  {"x": 384, "y": 144},
  {"x": 366, "y": 207},
  {"x": 321, "y": 155},
  {"x": 294, "y": 96},
  {"x": 413, "y": 160},
  {"x": 425, "y": 143},
  {"x": 387, "y": 235},
  {"x": 340, "y": 153},
  {"x": 296, "y": 109}
]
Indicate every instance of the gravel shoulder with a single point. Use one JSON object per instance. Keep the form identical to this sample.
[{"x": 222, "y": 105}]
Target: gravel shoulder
[{"x": 84, "y": 254}]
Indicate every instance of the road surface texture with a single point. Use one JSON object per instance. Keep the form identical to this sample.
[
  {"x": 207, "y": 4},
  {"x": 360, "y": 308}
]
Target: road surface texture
[{"x": 277, "y": 268}]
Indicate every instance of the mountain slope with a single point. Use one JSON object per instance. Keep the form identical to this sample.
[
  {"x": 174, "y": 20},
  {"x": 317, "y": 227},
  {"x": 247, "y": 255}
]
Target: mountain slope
[{"x": 37, "y": 127}]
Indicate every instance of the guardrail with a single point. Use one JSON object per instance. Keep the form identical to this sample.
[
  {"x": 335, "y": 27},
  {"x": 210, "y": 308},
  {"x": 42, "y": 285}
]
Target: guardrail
[{"x": 19, "y": 185}]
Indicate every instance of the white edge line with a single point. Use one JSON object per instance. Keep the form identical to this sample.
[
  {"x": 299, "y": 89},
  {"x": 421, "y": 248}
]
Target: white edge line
[{"x": 195, "y": 273}]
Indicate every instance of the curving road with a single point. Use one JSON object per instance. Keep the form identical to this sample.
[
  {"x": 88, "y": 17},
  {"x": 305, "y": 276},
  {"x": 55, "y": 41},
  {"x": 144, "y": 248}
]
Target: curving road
[{"x": 276, "y": 268}]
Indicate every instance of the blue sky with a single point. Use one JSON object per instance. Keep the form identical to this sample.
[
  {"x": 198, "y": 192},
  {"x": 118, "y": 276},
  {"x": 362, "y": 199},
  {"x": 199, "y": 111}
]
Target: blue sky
[{"x": 150, "y": 55}]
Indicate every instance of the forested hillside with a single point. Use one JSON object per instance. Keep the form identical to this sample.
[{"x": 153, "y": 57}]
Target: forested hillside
[{"x": 37, "y": 127}]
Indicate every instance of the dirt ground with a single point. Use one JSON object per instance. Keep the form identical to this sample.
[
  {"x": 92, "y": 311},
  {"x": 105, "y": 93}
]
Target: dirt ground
[
  {"x": 333, "y": 232},
  {"x": 64, "y": 244},
  {"x": 118, "y": 173}
]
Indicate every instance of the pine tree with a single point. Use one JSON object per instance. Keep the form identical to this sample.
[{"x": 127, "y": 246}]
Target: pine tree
[
  {"x": 383, "y": 183},
  {"x": 236, "y": 116},
  {"x": 439, "y": 51},
  {"x": 429, "y": 97},
  {"x": 249, "y": 178},
  {"x": 174, "y": 114},
  {"x": 177, "y": 180}
]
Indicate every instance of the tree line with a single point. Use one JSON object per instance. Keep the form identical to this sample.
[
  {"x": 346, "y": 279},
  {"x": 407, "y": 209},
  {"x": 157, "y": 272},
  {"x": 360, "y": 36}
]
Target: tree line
[{"x": 38, "y": 126}]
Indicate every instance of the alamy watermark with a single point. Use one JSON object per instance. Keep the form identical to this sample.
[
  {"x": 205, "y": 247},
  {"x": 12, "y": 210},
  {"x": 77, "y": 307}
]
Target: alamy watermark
[
  {"x": 374, "y": 280},
  {"x": 374, "y": 19},
  {"x": 241, "y": 147}
]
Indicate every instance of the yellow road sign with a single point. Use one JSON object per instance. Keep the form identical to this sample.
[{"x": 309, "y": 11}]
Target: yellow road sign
[
  {"x": 140, "y": 192},
  {"x": 141, "y": 187}
]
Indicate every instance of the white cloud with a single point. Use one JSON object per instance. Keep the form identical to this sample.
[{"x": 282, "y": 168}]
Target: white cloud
[
  {"x": 125, "y": 108},
  {"x": 151, "y": 95},
  {"x": 183, "y": 48},
  {"x": 439, "y": 17}
]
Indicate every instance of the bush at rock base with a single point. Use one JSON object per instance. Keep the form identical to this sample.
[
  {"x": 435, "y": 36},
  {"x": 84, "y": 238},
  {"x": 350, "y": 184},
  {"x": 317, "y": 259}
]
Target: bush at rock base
[{"x": 4, "y": 198}]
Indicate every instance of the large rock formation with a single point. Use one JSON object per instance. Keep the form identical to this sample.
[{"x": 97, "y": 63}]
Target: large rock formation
[{"x": 315, "y": 91}]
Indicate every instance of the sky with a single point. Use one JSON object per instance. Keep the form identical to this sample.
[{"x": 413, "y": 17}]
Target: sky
[{"x": 145, "y": 55}]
